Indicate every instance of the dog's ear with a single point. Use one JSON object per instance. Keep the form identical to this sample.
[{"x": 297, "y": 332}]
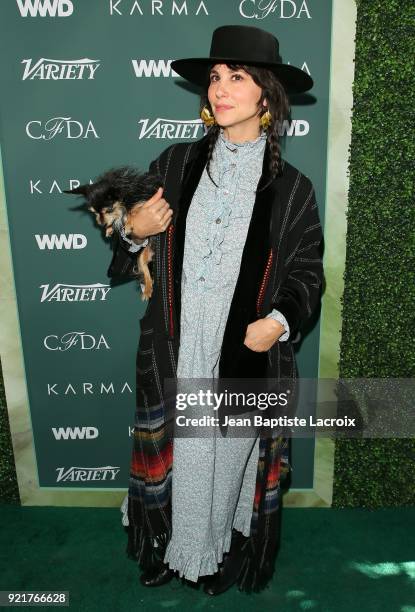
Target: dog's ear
[{"x": 81, "y": 190}]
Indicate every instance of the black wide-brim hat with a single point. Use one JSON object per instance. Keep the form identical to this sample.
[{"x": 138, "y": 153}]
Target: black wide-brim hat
[{"x": 234, "y": 44}]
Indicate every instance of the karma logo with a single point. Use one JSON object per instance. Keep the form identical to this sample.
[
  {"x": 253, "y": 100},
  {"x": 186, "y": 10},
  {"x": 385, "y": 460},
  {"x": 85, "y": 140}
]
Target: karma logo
[
  {"x": 60, "y": 125},
  {"x": 63, "y": 241},
  {"x": 87, "y": 388},
  {"x": 35, "y": 186},
  {"x": 158, "y": 7},
  {"x": 74, "y": 293},
  {"x": 170, "y": 128},
  {"x": 44, "y": 8},
  {"x": 59, "y": 70},
  {"x": 284, "y": 9},
  {"x": 153, "y": 68}
]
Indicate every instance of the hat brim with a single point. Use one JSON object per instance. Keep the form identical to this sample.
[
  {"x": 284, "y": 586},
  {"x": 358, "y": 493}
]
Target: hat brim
[{"x": 194, "y": 69}]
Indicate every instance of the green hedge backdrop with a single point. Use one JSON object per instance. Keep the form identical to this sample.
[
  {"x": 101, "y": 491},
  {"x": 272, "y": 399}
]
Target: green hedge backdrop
[{"x": 378, "y": 305}]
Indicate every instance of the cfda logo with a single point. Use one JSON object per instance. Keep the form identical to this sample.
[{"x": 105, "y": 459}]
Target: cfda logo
[
  {"x": 283, "y": 9},
  {"x": 70, "y": 128},
  {"x": 45, "y": 8},
  {"x": 81, "y": 340}
]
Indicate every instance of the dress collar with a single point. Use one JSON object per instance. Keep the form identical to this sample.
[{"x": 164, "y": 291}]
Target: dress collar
[
  {"x": 240, "y": 150},
  {"x": 249, "y": 144}
]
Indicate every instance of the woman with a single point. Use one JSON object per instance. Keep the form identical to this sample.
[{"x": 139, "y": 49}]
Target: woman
[{"x": 237, "y": 273}]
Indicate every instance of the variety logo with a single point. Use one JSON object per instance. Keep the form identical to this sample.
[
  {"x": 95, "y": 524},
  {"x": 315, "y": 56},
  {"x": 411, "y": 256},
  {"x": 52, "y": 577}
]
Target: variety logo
[
  {"x": 76, "y": 474},
  {"x": 158, "y": 7},
  {"x": 74, "y": 293},
  {"x": 170, "y": 128},
  {"x": 59, "y": 70},
  {"x": 285, "y": 9},
  {"x": 35, "y": 187},
  {"x": 87, "y": 388},
  {"x": 61, "y": 241},
  {"x": 153, "y": 68},
  {"x": 81, "y": 340},
  {"x": 75, "y": 433},
  {"x": 43, "y": 8},
  {"x": 58, "y": 125}
]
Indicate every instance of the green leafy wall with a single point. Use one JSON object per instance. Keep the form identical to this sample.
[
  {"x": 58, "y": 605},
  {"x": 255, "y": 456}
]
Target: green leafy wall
[
  {"x": 9, "y": 492},
  {"x": 378, "y": 317}
]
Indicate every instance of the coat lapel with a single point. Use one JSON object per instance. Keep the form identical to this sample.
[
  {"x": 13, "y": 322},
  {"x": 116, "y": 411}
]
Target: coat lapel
[
  {"x": 192, "y": 175},
  {"x": 236, "y": 359}
]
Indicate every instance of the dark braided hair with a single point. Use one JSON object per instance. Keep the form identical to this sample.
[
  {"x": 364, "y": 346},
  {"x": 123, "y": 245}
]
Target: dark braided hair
[{"x": 278, "y": 106}]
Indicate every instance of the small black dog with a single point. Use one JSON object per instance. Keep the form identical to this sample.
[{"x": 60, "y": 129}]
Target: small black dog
[{"x": 112, "y": 196}]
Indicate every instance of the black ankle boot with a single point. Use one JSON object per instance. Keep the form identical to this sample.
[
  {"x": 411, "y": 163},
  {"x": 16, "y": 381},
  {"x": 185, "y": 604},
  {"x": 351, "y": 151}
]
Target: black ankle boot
[
  {"x": 157, "y": 575},
  {"x": 228, "y": 574}
]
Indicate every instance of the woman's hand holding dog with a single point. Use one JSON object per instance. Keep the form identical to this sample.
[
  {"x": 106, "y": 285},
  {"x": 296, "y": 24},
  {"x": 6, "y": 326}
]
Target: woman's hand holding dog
[
  {"x": 262, "y": 334},
  {"x": 150, "y": 218}
]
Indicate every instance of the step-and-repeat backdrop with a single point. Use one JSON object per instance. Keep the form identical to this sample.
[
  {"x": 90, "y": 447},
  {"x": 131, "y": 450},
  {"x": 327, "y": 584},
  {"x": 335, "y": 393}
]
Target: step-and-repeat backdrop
[{"x": 88, "y": 86}]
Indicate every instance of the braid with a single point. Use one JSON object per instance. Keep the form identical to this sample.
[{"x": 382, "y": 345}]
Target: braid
[
  {"x": 279, "y": 107},
  {"x": 274, "y": 167}
]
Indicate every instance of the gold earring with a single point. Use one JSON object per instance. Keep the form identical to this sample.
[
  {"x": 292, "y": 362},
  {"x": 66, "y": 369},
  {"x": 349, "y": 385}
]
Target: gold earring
[
  {"x": 265, "y": 120},
  {"x": 206, "y": 117}
]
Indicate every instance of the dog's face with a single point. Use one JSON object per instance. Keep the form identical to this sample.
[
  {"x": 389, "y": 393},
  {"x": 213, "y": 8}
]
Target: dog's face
[
  {"x": 101, "y": 200},
  {"x": 115, "y": 194},
  {"x": 113, "y": 216},
  {"x": 107, "y": 215}
]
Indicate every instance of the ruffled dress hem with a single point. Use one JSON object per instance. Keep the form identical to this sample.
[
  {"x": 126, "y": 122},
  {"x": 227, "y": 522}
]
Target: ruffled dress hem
[{"x": 191, "y": 566}]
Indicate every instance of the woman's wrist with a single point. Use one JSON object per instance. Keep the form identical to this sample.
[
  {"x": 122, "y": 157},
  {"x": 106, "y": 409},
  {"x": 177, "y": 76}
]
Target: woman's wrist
[
  {"x": 277, "y": 316},
  {"x": 134, "y": 242},
  {"x": 132, "y": 235},
  {"x": 137, "y": 239},
  {"x": 279, "y": 327}
]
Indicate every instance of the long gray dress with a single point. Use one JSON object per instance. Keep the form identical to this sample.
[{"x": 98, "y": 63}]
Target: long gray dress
[{"x": 213, "y": 479}]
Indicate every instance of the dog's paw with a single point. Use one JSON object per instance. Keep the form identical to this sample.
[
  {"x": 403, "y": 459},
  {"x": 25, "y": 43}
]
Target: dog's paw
[{"x": 109, "y": 231}]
